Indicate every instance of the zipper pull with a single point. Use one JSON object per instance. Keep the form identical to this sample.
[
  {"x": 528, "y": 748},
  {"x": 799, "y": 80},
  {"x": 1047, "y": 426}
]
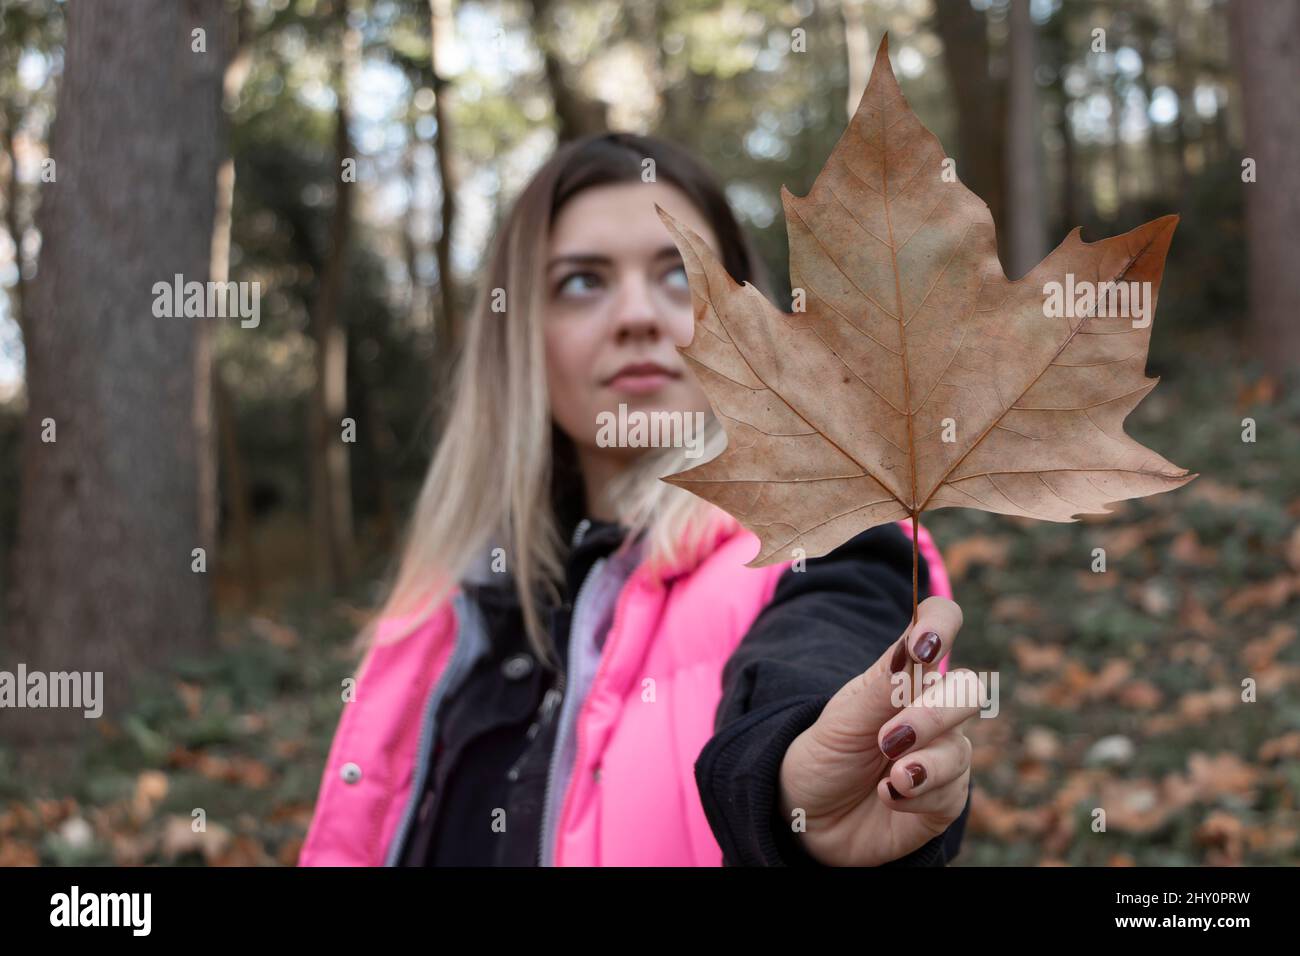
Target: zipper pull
[{"x": 549, "y": 703}]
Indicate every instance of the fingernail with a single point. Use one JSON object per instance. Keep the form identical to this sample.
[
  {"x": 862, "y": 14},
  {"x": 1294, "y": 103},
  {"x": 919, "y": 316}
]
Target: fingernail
[
  {"x": 915, "y": 773},
  {"x": 899, "y": 660},
  {"x": 927, "y": 648},
  {"x": 897, "y": 741},
  {"x": 894, "y": 792}
]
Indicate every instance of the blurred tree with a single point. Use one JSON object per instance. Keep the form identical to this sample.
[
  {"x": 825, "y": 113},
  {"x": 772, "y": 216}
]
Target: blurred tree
[
  {"x": 1066, "y": 212},
  {"x": 1026, "y": 198},
  {"x": 117, "y": 443},
  {"x": 233, "y": 485},
  {"x": 980, "y": 97},
  {"x": 24, "y": 29},
  {"x": 30, "y": 30},
  {"x": 442, "y": 23},
  {"x": 417, "y": 39},
  {"x": 576, "y": 113},
  {"x": 1184, "y": 83},
  {"x": 330, "y": 484},
  {"x": 1266, "y": 37},
  {"x": 858, "y": 50}
]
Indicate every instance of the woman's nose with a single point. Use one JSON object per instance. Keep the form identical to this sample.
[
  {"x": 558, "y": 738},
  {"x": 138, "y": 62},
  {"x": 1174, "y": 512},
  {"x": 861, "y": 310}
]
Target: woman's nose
[{"x": 636, "y": 314}]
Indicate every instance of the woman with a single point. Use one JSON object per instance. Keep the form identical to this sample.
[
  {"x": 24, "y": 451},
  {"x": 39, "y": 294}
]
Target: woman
[{"x": 573, "y": 666}]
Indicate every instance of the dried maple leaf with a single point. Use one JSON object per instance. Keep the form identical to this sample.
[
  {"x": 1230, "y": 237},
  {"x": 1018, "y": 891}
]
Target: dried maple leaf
[{"x": 917, "y": 376}]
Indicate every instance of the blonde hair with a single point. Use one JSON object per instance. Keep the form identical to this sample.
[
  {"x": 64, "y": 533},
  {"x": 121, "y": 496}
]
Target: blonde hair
[{"x": 501, "y": 462}]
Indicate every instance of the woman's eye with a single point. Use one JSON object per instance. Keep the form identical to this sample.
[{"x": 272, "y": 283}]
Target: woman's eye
[
  {"x": 677, "y": 277},
  {"x": 577, "y": 283}
]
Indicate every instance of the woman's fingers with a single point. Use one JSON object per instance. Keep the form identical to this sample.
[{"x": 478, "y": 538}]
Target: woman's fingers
[
  {"x": 937, "y": 622},
  {"x": 942, "y": 705},
  {"x": 927, "y": 641},
  {"x": 944, "y": 802},
  {"x": 854, "y": 715},
  {"x": 926, "y": 770}
]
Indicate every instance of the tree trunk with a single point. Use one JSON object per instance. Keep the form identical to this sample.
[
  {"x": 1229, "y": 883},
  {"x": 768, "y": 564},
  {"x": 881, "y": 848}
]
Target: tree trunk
[
  {"x": 241, "y": 518},
  {"x": 1186, "y": 130},
  {"x": 979, "y": 97},
  {"x": 446, "y": 327},
  {"x": 1119, "y": 177},
  {"x": 1026, "y": 199},
  {"x": 230, "y": 461},
  {"x": 577, "y": 114},
  {"x": 1070, "y": 214},
  {"x": 13, "y": 222},
  {"x": 857, "y": 48},
  {"x": 1163, "y": 173},
  {"x": 331, "y": 488},
  {"x": 1055, "y": 49},
  {"x": 381, "y": 447},
  {"x": 1266, "y": 42},
  {"x": 113, "y": 506}
]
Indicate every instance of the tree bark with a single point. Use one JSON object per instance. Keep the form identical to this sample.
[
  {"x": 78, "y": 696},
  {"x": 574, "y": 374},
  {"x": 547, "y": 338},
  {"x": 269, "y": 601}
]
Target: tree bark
[
  {"x": 980, "y": 99},
  {"x": 1026, "y": 199},
  {"x": 1266, "y": 43},
  {"x": 230, "y": 464},
  {"x": 381, "y": 447},
  {"x": 237, "y": 491},
  {"x": 331, "y": 487},
  {"x": 13, "y": 221},
  {"x": 577, "y": 114},
  {"x": 857, "y": 49},
  {"x": 446, "y": 326},
  {"x": 112, "y": 508}
]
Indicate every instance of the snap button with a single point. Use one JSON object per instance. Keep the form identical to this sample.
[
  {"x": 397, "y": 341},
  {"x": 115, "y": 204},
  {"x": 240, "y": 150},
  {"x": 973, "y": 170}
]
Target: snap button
[
  {"x": 517, "y": 666},
  {"x": 350, "y": 773},
  {"x": 513, "y": 774}
]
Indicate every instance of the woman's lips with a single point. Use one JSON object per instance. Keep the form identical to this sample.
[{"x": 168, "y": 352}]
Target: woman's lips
[
  {"x": 641, "y": 378},
  {"x": 639, "y": 383}
]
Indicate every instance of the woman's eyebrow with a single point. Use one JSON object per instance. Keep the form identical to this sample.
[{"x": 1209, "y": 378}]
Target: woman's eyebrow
[
  {"x": 582, "y": 259},
  {"x": 596, "y": 259}
]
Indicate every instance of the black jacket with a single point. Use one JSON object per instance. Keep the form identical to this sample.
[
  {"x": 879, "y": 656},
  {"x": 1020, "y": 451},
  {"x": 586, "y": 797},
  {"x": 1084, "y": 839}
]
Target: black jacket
[{"x": 496, "y": 734}]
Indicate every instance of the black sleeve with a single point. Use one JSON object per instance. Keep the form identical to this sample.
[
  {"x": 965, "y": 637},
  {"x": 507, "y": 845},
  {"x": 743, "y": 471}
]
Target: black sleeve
[{"x": 824, "y": 625}]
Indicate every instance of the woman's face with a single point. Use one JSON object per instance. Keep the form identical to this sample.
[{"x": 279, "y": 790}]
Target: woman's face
[{"x": 617, "y": 306}]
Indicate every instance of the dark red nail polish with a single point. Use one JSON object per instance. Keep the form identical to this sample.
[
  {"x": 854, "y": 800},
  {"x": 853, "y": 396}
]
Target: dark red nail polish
[
  {"x": 899, "y": 660},
  {"x": 927, "y": 648},
  {"x": 893, "y": 792},
  {"x": 897, "y": 741},
  {"x": 915, "y": 774}
]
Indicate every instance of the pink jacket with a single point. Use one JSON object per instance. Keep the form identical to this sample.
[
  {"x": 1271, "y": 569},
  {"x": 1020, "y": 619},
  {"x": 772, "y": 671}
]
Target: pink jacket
[{"x": 677, "y": 625}]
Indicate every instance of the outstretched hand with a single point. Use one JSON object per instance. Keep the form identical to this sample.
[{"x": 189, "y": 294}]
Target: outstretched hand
[{"x": 883, "y": 771}]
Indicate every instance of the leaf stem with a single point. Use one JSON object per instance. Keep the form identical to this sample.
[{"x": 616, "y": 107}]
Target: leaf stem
[{"x": 915, "y": 520}]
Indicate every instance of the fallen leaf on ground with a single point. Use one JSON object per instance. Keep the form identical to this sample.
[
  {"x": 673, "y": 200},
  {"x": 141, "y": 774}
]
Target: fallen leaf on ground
[
  {"x": 976, "y": 550},
  {"x": 1267, "y": 595}
]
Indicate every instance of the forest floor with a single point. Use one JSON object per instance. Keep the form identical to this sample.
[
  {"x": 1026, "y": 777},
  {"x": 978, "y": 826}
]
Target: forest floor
[{"x": 1148, "y": 715}]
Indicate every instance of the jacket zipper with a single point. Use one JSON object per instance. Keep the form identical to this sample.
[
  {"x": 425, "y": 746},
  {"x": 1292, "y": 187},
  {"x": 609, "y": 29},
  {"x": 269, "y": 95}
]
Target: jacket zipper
[
  {"x": 550, "y": 702},
  {"x": 555, "y": 695}
]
